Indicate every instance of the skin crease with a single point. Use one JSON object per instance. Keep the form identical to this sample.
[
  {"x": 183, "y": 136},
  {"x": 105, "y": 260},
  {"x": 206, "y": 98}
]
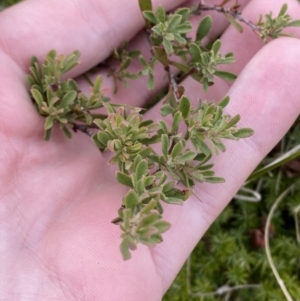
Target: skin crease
[{"x": 57, "y": 198}]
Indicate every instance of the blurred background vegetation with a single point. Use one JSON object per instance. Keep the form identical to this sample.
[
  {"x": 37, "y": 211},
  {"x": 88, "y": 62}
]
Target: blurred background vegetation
[{"x": 232, "y": 261}]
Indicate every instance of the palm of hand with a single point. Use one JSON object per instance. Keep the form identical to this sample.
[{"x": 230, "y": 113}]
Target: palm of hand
[{"x": 57, "y": 198}]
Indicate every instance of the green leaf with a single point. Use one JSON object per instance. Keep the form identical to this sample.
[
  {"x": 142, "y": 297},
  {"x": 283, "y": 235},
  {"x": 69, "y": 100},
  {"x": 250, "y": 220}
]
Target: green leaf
[
  {"x": 165, "y": 144},
  {"x": 224, "y": 102},
  {"x": 145, "y": 152},
  {"x": 150, "y": 83},
  {"x": 72, "y": 85},
  {"x": 161, "y": 55},
  {"x": 30, "y": 80},
  {"x": 172, "y": 200},
  {"x": 162, "y": 226},
  {"x": 150, "y": 206},
  {"x": 234, "y": 23},
  {"x": 48, "y": 123},
  {"x": 145, "y": 5},
  {"x": 184, "y": 12},
  {"x": 183, "y": 29},
  {"x": 36, "y": 74},
  {"x": 176, "y": 121},
  {"x": 168, "y": 46},
  {"x": 149, "y": 16},
  {"x": 47, "y": 134},
  {"x": 225, "y": 75},
  {"x": 181, "y": 67},
  {"x": 151, "y": 140},
  {"x": 218, "y": 115},
  {"x": 201, "y": 145},
  {"x": 215, "y": 180},
  {"x": 159, "y": 208},
  {"x": 188, "y": 156},
  {"x": 103, "y": 137},
  {"x": 125, "y": 249},
  {"x": 219, "y": 145},
  {"x": 68, "y": 100},
  {"x": 168, "y": 186},
  {"x": 137, "y": 160},
  {"x": 149, "y": 180},
  {"x": 148, "y": 220},
  {"x": 283, "y": 10},
  {"x": 160, "y": 14},
  {"x": 176, "y": 151},
  {"x": 141, "y": 169},
  {"x": 33, "y": 61},
  {"x": 216, "y": 47},
  {"x": 37, "y": 96},
  {"x": 295, "y": 23},
  {"x": 70, "y": 61},
  {"x": 163, "y": 127},
  {"x": 131, "y": 199},
  {"x": 203, "y": 158},
  {"x": 228, "y": 59},
  {"x": 184, "y": 106},
  {"x": 124, "y": 179},
  {"x": 51, "y": 54},
  {"x": 243, "y": 133},
  {"x": 166, "y": 109},
  {"x": 100, "y": 124},
  {"x": 203, "y": 28},
  {"x": 140, "y": 186},
  {"x": 97, "y": 84},
  {"x": 66, "y": 131},
  {"x": 125, "y": 63},
  {"x": 174, "y": 21},
  {"x": 233, "y": 121},
  {"x": 195, "y": 52}
]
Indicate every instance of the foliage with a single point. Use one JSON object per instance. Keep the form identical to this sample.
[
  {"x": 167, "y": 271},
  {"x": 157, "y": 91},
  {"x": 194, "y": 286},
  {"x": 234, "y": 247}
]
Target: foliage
[{"x": 124, "y": 133}]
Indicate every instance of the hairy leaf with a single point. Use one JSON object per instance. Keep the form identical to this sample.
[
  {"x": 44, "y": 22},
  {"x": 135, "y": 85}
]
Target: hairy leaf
[{"x": 203, "y": 28}]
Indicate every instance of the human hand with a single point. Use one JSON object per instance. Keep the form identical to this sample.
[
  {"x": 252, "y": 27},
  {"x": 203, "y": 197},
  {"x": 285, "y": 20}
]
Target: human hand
[{"x": 57, "y": 198}]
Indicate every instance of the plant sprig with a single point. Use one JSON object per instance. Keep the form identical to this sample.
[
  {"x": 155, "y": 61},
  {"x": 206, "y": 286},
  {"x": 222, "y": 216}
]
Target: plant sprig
[{"x": 151, "y": 176}]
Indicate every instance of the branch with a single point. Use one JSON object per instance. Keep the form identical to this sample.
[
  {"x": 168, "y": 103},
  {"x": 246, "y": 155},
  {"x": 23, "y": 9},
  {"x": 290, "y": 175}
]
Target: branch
[
  {"x": 173, "y": 82},
  {"x": 84, "y": 129},
  {"x": 233, "y": 12}
]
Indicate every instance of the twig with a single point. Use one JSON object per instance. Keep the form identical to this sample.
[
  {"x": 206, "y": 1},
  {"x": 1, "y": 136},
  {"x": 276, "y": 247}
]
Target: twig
[
  {"x": 88, "y": 79},
  {"x": 84, "y": 129},
  {"x": 233, "y": 12},
  {"x": 173, "y": 82}
]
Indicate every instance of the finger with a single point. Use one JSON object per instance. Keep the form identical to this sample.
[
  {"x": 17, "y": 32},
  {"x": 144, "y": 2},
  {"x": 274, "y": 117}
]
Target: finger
[
  {"x": 93, "y": 27},
  {"x": 267, "y": 97}
]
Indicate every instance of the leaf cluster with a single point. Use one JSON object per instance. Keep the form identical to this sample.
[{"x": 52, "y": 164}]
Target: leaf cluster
[
  {"x": 272, "y": 27},
  {"x": 145, "y": 171},
  {"x": 58, "y": 100}
]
